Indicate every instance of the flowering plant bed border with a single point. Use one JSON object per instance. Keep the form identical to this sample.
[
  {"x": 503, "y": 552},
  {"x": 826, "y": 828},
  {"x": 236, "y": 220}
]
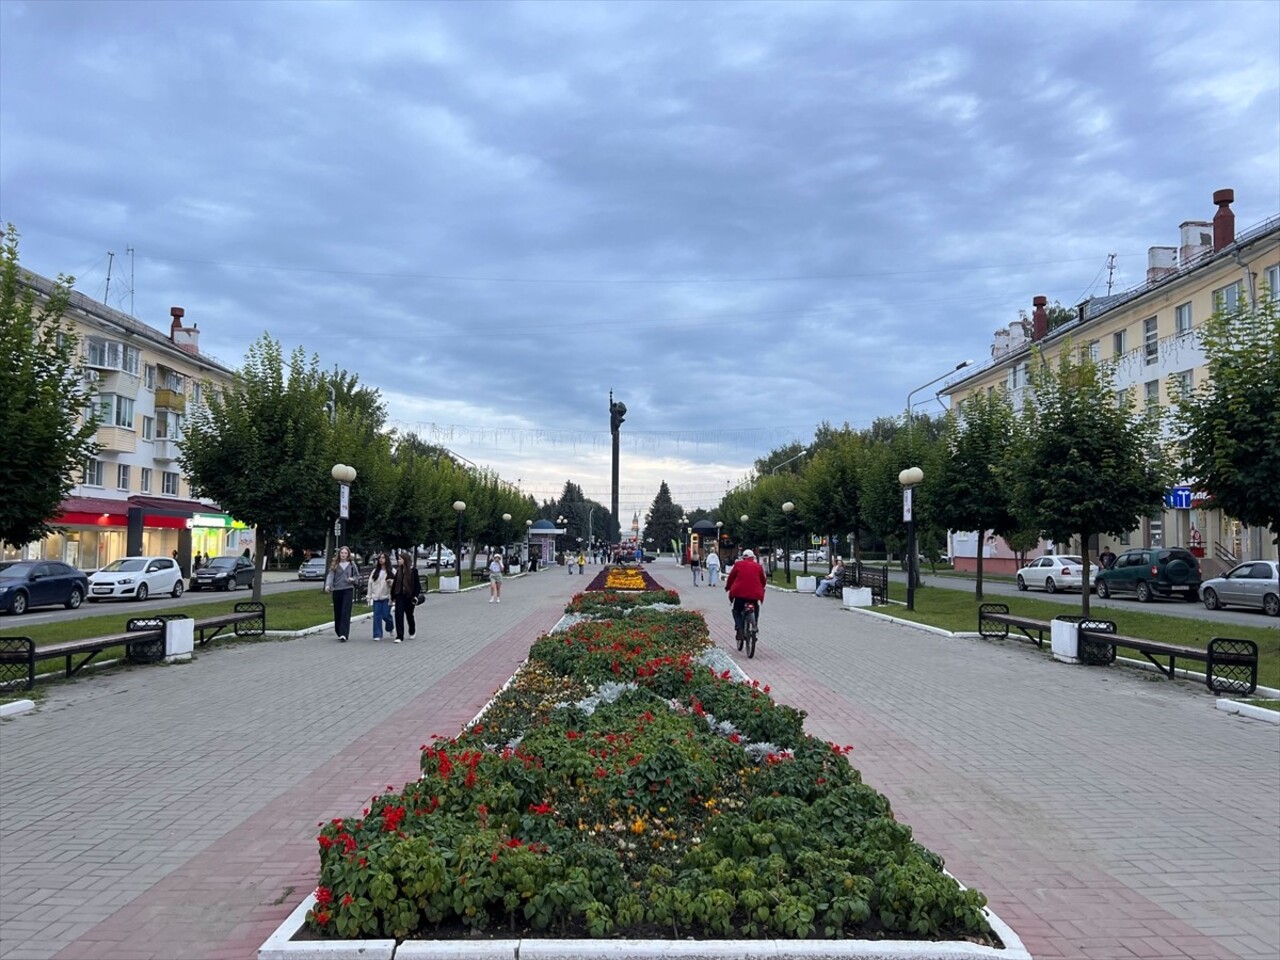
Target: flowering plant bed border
[
  {"x": 690, "y": 809},
  {"x": 624, "y": 578}
]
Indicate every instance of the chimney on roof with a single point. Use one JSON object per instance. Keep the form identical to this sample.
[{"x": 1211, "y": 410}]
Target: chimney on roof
[
  {"x": 1197, "y": 240},
  {"x": 186, "y": 339},
  {"x": 1161, "y": 262},
  {"x": 1224, "y": 221},
  {"x": 1039, "y": 319}
]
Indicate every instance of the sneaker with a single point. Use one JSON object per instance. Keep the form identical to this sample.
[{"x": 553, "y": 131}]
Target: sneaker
[
  {"x": 342, "y": 639},
  {"x": 491, "y": 599},
  {"x": 498, "y": 600},
  {"x": 397, "y": 640},
  {"x": 412, "y": 634}
]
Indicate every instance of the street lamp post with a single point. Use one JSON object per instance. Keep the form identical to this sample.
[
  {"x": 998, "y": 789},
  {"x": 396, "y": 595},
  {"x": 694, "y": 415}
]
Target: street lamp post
[
  {"x": 909, "y": 478},
  {"x": 561, "y": 522},
  {"x": 345, "y": 476},
  {"x": 684, "y": 537},
  {"x": 506, "y": 545},
  {"x": 458, "y": 506},
  {"x": 787, "y": 508},
  {"x": 958, "y": 366},
  {"x": 528, "y": 545},
  {"x": 719, "y": 524}
]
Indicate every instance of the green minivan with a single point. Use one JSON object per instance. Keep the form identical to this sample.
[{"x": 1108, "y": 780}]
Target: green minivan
[{"x": 1156, "y": 572}]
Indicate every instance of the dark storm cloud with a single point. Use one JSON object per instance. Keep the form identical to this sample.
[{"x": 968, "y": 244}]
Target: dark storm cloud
[{"x": 749, "y": 215}]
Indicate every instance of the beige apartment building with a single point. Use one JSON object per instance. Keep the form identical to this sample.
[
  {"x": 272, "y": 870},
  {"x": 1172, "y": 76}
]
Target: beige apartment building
[
  {"x": 132, "y": 499},
  {"x": 1148, "y": 339}
]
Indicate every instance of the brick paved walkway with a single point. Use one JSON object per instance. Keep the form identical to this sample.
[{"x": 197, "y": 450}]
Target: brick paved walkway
[{"x": 171, "y": 812}]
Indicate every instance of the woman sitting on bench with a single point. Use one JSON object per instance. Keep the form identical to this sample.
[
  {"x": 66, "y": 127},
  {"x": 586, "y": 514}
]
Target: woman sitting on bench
[{"x": 830, "y": 580}]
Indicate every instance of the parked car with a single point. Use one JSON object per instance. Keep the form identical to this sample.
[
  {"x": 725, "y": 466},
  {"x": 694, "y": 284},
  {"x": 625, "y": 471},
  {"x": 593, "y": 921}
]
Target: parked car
[
  {"x": 1148, "y": 573},
  {"x": 446, "y": 557},
  {"x": 313, "y": 569},
  {"x": 815, "y": 556},
  {"x": 1255, "y": 583},
  {"x": 136, "y": 578},
  {"x": 40, "y": 583},
  {"x": 1052, "y": 574},
  {"x": 224, "y": 573}
]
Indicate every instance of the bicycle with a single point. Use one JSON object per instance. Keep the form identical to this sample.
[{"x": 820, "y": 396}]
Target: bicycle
[{"x": 749, "y": 629}]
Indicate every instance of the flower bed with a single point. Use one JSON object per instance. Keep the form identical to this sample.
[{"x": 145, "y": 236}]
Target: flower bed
[
  {"x": 619, "y": 788},
  {"x": 623, "y": 578}
]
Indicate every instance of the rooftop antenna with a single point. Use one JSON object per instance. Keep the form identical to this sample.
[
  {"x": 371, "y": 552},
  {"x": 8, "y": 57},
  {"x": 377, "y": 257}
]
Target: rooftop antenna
[
  {"x": 129, "y": 250},
  {"x": 1111, "y": 269},
  {"x": 107, "y": 293}
]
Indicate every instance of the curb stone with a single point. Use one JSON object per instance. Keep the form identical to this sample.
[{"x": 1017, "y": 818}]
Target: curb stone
[
  {"x": 1249, "y": 710},
  {"x": 16, "y": 707}
]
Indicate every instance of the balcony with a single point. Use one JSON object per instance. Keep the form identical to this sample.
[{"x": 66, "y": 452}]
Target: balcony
[
  {"x": 170, "y": 400},
  {"x": 119, "y": 382},
  {"x": 116, "y": 439},
  {"x": 164, "y": 449}
]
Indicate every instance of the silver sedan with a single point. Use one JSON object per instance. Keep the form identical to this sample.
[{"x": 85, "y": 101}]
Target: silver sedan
[{"x": 1254, "y": 583}]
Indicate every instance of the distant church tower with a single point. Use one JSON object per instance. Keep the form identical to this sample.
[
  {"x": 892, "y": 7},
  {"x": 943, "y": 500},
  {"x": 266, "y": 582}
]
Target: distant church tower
[{"x": 635, "y": 525}]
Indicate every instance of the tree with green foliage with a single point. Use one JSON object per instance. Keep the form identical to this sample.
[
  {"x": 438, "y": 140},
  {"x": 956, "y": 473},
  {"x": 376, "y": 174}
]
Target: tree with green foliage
[
  {"x": 262, "y": 448},
  {"x": 1084, "y": 464},
  {"x": 43, "y": 402},
  {"x": 662, "y": 522},
  {"x": 832, "y": 495},
  {"x": 1229, "y": 426},
  {"x": 971, "y": 491}
]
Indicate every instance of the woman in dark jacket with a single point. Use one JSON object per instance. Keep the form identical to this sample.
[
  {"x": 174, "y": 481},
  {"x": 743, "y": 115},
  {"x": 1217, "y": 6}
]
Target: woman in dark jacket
[{"x": 404, "y": 594}]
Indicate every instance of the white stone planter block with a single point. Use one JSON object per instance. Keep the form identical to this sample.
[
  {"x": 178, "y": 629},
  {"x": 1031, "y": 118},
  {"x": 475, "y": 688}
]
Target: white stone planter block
[
  {"x": 806, "y": 584},
  {"x": 281, "y": 945},
  {"x": 856, "y": 597},
  {"x": 179, "y": 639},
  {"x": 450, "y": 584},
  {"x": 1064, "y": 640}
]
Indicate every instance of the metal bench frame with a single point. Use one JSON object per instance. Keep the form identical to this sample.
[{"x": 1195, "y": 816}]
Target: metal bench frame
[{"x": 1231, "y": 665}]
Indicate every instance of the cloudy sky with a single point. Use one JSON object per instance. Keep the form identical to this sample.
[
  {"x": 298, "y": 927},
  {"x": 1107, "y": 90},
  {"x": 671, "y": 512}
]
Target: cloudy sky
[{"x": 743, "y": 218}]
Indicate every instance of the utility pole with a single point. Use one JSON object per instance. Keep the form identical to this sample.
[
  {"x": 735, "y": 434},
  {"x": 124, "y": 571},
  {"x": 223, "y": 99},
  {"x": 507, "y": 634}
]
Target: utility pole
[
  {"x": 111, "y": 257},
  {"x": 1111, "y": 269},
  {"x": 129, "y": 250}
]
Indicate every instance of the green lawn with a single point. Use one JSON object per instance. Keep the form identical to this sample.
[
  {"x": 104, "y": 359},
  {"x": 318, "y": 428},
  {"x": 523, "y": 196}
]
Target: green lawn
[{"x": 957, "y": 611}]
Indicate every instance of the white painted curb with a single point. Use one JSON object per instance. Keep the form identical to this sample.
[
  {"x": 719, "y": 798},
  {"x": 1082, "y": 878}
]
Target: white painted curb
[
  {"x": 280, "y": 946},
  {"x": 16, "y": 707},
  {"x": 1249, "y": 710}
]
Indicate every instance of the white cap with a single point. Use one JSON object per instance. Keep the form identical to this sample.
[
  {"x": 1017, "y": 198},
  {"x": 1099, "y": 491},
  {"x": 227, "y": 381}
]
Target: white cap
[{"x": 748, "y": 553}]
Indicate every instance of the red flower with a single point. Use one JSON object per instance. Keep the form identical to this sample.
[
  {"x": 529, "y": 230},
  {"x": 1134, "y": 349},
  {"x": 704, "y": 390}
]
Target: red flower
[
  {"x": 348, "y": 900},
  {"x": 322, "y": 917},
  {"x": 324, "y": 896},
  {"x": 541, "y": 809}
]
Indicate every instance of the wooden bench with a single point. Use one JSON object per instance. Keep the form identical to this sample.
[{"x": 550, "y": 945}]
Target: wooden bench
[
  {"x": 1231, "y": 665},
  {"x": 480, "y": 576},
  {"x": 848, "y": 578},
  {"x": 876, "y": 579},
  {"x": 248, "y": 620},
  {"x": 143, "y": 639},
  {"x": 994, "y": 621}
]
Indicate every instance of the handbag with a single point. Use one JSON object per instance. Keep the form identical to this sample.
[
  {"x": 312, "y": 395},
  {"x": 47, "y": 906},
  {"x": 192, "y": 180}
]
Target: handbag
[{"x": 420, "y": 599}]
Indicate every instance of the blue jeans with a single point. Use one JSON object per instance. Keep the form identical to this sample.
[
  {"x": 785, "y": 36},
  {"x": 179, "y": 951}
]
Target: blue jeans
[
  {"x": 824, "y": 587},
  {"x": 382, "y": 617}
]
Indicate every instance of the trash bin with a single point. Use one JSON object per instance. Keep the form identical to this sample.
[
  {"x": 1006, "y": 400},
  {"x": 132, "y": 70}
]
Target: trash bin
[
  {"x": 450, "y": 584},
  {"x": 1064, "y": 639}
]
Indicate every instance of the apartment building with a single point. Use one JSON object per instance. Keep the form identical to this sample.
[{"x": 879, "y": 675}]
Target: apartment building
[
  {"x": 1148, "y": 339},
  {"x": 132, "y": 499}
]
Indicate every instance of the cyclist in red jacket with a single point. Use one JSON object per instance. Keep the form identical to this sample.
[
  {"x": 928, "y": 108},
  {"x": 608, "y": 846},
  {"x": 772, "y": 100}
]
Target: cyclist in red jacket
[{"x": 746, "y": 581}]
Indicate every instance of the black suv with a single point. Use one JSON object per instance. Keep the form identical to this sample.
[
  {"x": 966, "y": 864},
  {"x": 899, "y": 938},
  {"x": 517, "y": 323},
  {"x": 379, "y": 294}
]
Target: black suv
[{"x": 1163, "y": 572}]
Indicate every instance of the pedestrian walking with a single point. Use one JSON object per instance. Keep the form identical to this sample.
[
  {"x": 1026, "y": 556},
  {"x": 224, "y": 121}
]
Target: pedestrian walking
[
  {"x": 713, "y": 568},
  {"x": 495, "y": 579},
  {"x": 340, "y": 582},
  {"x": 406, "y": 588},
  {"x": 582, "y": 564},
  {"x": 380, "y": 596},
  {"x": 695, "y": 564}
]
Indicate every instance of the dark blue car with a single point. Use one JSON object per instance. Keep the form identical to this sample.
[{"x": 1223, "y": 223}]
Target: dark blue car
[{"x": 40, "y": 583}]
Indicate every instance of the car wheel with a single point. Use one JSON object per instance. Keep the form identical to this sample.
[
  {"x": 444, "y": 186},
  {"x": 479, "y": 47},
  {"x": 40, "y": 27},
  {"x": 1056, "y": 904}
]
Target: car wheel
[
  {"x": 1103, "y": 590},
  {"x": 177, "y": 589},
  {"x": 1050, "y": 586},
  {"x": 143, "y": 591},
  {"x": 1022, "y": 584},
  {"x": 1144, "y": 592},
  {"x": 73, "y": 601},
  {"x": 1211, "y": 601},
  {"x": 18, "y": 605},
  {"x": 1271, "y": 605}
]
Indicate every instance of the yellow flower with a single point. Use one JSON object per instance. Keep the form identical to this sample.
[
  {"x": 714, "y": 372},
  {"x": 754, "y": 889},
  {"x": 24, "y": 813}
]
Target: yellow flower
[{"x": 638, "y": 827}]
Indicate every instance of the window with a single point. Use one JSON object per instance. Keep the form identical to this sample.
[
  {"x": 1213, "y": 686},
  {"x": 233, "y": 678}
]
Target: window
[
  {"x": 1124, "y": 540},
  {"x": 196, "y": 392},
  {"x": 1151, "y": 394},
  {"x": 1156, "y": 529},
  {"x": 1182, "y": 319},
  {"x": 1182, "y": 384},
  {"x": 1150, "y": 340},
  {"x": 148, "y": 428},
  {"x": 1119, "y": 343},
  {"x": 1227, "y": 298},
  {"x": 124, "y": 412},
  {"x": 1272, "y": 276},
  {"x": 149, "y": 376},
  {"x": 170, "y": 481},
  {"x": 146, "y": 479},
  {"x": 131, "y": 360},
  {"x": 122, "y": 476},
  {"x": 1122, "y": 399},
  {"x": 93, "y": 473},
  {"x": 168, "y": 425}
]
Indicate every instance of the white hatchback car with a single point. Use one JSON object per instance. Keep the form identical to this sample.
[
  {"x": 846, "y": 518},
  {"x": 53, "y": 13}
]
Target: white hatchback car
[
  {"x": 1052, "y": 574},
  {"x": 136, "y": 578}
]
